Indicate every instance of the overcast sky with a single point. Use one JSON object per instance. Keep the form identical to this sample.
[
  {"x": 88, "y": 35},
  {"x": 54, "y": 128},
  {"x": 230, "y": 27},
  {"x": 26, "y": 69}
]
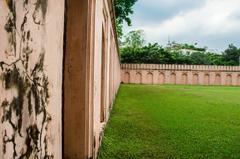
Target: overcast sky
[{"x": 212, "y": 23}]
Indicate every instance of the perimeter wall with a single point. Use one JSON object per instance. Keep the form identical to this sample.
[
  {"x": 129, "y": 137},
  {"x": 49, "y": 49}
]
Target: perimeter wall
[
  {"x": 180, "y": 74},
  {"x": 31, "y": 55},
  {"x": 92, "y": 75},
  {"x": 59, "y": 75}
]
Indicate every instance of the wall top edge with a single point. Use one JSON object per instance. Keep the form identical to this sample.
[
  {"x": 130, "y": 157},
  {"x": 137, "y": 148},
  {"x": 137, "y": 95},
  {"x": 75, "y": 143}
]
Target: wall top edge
[{"x": 179, "y": 67}]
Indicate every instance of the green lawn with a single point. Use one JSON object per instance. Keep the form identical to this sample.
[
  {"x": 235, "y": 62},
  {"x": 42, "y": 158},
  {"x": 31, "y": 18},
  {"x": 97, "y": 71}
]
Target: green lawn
[{"x": 171, "y": 122}]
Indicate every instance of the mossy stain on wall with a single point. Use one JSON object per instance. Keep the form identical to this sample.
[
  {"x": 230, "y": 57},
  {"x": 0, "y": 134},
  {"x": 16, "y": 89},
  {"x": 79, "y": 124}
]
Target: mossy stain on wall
[{"x": 25, "y": 114}]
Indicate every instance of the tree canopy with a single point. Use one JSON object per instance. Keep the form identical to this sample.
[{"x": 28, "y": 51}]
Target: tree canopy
[
  {"x": 134, "y": 39},
  {"x": 133, "y": 50},
  {"x": 123, "y": 10}
]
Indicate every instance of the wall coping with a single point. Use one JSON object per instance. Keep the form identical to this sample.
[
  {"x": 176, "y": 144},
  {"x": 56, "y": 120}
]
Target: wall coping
[{"x": 180, "y": 67}]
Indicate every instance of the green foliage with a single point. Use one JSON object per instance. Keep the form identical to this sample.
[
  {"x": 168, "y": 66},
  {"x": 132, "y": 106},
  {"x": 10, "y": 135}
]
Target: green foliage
[
  {"x": 123, "y": 10},
  {"x": 133, "y": 50},
  {"x": 152, "y": 53},
  {"x": 173, "y": 122},
  {"x": 173, "y": 46},
  {"x": 134, "y": 39},
  {"x": 231, "y": 55}
]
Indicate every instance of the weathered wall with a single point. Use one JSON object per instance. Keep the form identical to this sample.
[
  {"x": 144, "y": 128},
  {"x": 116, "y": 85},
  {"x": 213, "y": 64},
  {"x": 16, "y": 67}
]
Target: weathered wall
[
  {"x": 92, "y": 75},
  {"x": 180, "y": 74},
  {"x": 31, "y": 72},
  {"x": 106, "y": 82},
  {"x": 31, "y": 50}
]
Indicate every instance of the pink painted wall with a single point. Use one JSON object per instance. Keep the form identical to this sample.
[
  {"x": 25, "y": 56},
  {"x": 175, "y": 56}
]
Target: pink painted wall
[
  {"x": 31, "y": 51},
  {"x": 112, "y": 73},
  {"x": 92, "y": 75},
  {"x": 180, "y": 74},
  {"x": 31, "y": 73}
]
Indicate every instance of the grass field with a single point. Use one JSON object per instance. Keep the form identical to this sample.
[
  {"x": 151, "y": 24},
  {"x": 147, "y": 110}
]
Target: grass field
[{"x": 171, "y": 122}]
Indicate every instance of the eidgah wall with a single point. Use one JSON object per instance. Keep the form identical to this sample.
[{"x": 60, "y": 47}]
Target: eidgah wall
[
  {"x": 180, "y": 74},
  {"x": 59, "y": 75},
  {"x": 31, "y": 55}
]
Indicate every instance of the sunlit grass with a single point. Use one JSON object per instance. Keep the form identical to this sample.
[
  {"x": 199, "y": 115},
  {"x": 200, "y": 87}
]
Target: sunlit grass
[{"x": 153, "y": 122}]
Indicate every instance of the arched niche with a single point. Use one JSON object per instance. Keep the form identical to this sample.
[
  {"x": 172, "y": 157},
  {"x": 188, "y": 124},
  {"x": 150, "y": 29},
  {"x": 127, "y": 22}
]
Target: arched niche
[
  {"x": 161, "y": 78},
  {"x": 238, "y": 80},
  {"x": 138, "y": 79},
  {"x": 173, "y": 78},
  {"x": 184, "y": 79},
  {"x": 217, "y": 79},
  {"x": 206, "y": 79},
  {"x": 149, "y": 78},
  {"x": 229, "y": 80},
  {"x": 126, "y": 77},
  {"x": 195, "y": 79}
]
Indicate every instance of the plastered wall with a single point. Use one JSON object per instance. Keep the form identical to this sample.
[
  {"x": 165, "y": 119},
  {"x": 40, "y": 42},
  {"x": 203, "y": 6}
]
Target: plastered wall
[
  {"x": 104, "y": 96},
  {"x": 32, "y": 77},
  {"x": 181, "y": 74},
  {"x": 92, "y": 75},
  {"x": 31, "y": 51}
]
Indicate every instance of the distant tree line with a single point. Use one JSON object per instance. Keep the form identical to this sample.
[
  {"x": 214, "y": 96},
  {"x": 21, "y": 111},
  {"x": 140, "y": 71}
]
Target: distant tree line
[{"x": 134, "y": 50}]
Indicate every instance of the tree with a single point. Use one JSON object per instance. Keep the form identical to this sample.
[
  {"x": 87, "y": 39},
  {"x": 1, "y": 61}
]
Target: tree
[
  {"x": 199, "y": 58},
  {"x": 214, "y": 59},
  {"x": 133, "y": 50},
  {"x": 152, "y": 53},
  {"x": 134, "y": 39},
  {"x": 231, "y": 55},
  {"x": 123, "y": 10}
]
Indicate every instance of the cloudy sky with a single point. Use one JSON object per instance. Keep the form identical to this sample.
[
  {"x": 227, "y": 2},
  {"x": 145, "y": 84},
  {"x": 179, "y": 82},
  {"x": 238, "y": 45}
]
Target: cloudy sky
[{"x": 212, "y": 23}]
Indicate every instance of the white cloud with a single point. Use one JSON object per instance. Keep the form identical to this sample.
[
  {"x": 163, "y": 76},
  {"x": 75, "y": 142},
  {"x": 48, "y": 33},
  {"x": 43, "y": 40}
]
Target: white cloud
[
  {"x": 214, "y": 18},
  {"x": 168, "y": 3}
]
